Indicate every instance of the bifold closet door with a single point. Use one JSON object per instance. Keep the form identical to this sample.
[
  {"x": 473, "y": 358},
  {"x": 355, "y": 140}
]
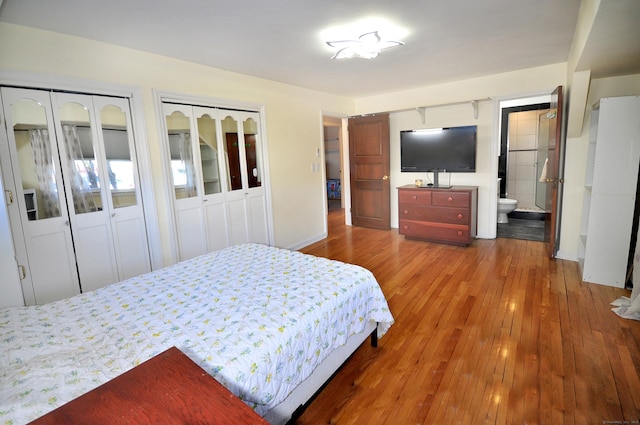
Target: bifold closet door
[
  {"x": 70, "y": 165},
  {"x": 32, "y": 176}
]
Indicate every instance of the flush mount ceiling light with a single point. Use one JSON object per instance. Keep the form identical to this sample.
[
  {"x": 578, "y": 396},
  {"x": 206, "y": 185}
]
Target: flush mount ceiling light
[{"x": 367, "y": 46}]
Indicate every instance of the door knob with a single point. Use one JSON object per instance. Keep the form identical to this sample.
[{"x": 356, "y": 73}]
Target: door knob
[{"x": 385, "y": 177}]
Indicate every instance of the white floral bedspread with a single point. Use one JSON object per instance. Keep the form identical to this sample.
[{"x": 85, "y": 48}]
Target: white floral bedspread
[{"x": 258, "y": 318}]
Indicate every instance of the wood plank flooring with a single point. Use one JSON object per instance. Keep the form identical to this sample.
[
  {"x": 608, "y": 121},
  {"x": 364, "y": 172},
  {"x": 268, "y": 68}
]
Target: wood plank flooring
[{"x": 495, "y": 333}]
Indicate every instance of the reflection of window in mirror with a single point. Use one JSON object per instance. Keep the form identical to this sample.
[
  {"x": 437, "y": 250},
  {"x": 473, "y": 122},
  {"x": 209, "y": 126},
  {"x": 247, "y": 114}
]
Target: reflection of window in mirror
[
  {"x": 120, "y": 169},
  {"x": 82, "y": 171},
  {"x": 36, "y": 166}
]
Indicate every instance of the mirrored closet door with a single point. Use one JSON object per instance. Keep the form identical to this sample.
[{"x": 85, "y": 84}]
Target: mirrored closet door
[
  {"x": 219, "y": 198},
  {"x": 68, "y": 164}
]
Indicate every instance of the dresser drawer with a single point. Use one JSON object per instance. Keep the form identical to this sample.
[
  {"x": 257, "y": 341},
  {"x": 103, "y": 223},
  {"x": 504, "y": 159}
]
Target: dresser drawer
[
  {"x": 450, "y": 199},
  {"x": 414, "y": 197},
  {"x": 434, "y": 231},
  {"x": 437, "y": 214}
]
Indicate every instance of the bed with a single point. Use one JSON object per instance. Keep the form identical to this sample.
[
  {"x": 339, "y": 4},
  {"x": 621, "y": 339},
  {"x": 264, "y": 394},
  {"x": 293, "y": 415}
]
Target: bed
[{"x": 271, "y": 325}]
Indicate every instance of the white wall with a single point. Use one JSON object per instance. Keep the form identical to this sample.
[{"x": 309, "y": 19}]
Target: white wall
[{"x": 293, "y": 115}]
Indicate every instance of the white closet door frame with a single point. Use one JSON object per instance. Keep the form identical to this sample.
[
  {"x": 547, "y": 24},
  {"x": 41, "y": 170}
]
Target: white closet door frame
[
  {"x": 92, "y": 232},
  {"x": 128, "y": 224},
  {"x": 43, "y": 247}
]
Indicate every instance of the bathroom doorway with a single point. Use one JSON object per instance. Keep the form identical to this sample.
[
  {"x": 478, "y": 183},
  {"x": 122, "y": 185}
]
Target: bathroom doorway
[{"x": 523, "y": 148}]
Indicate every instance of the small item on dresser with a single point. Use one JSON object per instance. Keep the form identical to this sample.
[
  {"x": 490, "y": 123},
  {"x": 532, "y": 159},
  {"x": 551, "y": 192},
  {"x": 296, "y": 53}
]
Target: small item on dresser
[{"x": 418, "y": 183}]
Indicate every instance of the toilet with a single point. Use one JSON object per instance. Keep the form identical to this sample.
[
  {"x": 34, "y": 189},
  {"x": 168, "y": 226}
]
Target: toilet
[{"x": 505, "y": 206}]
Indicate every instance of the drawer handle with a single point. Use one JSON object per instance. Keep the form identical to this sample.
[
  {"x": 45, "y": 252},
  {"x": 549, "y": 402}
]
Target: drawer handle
[
  {"x": 460, "y": 216},
  {"x": 405, "y": 212},
  {"x": 414, "y": 197},
  {"x": 459, "y": 232},
  {"x": 406, "y": 226},
  {"x": 449, "y": 199}
]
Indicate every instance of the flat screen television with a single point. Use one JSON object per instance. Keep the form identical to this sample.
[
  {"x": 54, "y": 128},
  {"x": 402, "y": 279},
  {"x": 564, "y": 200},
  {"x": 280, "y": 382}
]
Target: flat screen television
[{"x": 450, "y": 149}]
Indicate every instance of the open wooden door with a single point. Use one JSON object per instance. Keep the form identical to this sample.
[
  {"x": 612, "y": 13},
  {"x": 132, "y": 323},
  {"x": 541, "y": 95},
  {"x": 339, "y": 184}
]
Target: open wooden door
[
  {"x": 369, "y": 164},
  {"x": 553, "y": 180}
]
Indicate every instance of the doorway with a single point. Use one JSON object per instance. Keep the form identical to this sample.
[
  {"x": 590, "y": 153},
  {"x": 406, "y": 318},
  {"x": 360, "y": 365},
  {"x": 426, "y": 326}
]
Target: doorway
[
  {"x": 521, "y": 163},
  {"x": 332, "y": 130}
]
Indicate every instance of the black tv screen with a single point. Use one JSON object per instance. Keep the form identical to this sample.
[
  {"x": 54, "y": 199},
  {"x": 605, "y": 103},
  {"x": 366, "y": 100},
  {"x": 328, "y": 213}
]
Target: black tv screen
[{"x": 450, "y": 149}]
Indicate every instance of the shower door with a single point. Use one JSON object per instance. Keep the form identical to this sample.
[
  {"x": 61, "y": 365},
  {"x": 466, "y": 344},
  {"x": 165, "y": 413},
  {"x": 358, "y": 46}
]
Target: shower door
[{"x": 542, "y": 150}]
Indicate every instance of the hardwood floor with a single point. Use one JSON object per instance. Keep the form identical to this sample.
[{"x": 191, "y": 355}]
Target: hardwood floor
[{"x": 495, "y": 333}]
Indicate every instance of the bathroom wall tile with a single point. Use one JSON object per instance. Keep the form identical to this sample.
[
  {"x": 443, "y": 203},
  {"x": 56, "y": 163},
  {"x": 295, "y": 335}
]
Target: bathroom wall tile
[
  {"x": 527, "y": 127},
  {"x": 527, "y": 142},
  {"x": 526, "y": 157}
]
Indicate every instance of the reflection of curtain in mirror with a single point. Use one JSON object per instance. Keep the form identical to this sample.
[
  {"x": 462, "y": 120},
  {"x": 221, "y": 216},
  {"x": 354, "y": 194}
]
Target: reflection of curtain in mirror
[
  {"x": 45, "y": 172},
  {"x": 186, "y": 156},
  {"x": 80, "y": 188}
]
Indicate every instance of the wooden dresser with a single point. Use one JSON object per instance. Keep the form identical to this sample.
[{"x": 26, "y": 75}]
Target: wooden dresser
[{"x": 438, "y": 214}]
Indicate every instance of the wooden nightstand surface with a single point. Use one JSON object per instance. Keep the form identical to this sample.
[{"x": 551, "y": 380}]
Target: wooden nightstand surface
[{"x": 167, "y": 389}]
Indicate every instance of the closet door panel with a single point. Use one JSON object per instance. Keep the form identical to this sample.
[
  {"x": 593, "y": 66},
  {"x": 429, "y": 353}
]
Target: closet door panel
[
  {"x": 96, "y": 263},
  {"x": 131, "y": 246},
  {"x": 54, "y": 277},
  {"x": 124, "y": 203},
  {"x": 85, "y": 179},
  {"x": 217, "y": 228},
  {"x": 212, "y": 168},
  {"x": 190, "y": 232},
  {"x": 257, "y": 206},
  {"x": 31, "y": 172},
  {"x": 238, "y": 228},
  {"x": 184, "y": 157}
]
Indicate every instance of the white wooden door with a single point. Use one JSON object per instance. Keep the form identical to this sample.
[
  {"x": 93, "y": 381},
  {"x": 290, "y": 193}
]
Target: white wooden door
[
  {"x": 184, "y": 157},
  {"x": 255, "y": 199},
  {"x": 85, "y": 180},
  {"x": 29, "y": 159},
  {"x": 233, "y": 136},
  {"x": 246, "y": 200},
  {"x": 212, "y": 170},
  {"x": 124, "y": 201}
]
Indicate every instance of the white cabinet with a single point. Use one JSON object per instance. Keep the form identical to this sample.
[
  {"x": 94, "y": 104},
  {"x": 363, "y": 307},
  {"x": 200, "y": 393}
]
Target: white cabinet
[{"x": 610, "y": 189}]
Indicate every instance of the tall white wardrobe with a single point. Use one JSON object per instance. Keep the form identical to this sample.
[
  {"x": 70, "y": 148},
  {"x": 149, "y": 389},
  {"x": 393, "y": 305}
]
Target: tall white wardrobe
[
  {"x": 72, "y": 191},
  {"x": 215, "y": 158},
  {"x": 611, "y": 182}
]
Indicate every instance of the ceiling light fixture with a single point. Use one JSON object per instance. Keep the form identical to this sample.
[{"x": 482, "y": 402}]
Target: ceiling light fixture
[{"x": 367, "y": 46}]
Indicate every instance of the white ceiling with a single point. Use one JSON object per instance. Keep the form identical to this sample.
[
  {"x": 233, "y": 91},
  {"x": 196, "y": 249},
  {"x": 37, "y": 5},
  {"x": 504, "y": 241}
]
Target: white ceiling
[{"x": 280, "y": 40}]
